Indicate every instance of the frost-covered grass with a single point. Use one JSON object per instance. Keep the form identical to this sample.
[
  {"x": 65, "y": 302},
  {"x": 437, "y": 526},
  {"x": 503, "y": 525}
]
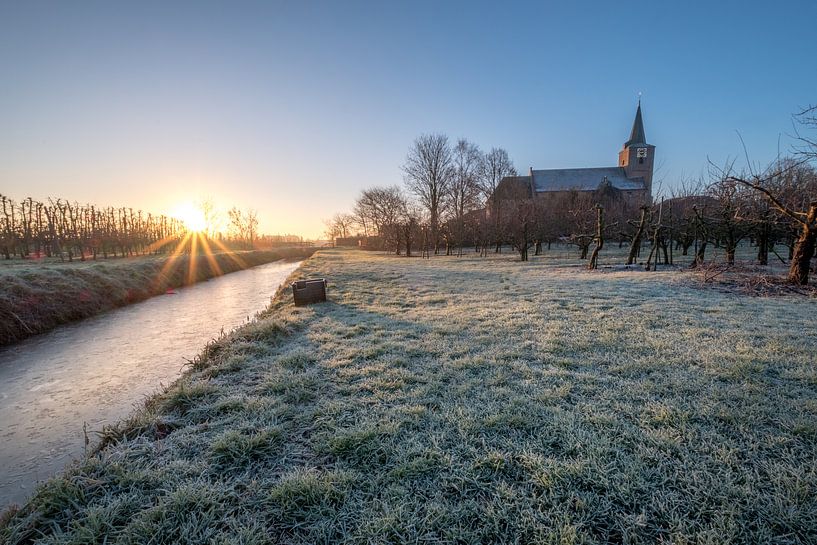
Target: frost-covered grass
[
  {"x": 469, "y": 400},
  {"x": 37, "y": 296}
]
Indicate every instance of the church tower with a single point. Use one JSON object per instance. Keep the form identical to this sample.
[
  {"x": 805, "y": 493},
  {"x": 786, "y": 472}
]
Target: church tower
[{"x": 637, "y": 156}]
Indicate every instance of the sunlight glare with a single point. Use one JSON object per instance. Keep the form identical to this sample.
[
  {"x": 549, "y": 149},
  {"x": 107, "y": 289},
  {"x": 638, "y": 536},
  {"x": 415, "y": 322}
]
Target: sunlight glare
[{"x": 192, "y": 216}]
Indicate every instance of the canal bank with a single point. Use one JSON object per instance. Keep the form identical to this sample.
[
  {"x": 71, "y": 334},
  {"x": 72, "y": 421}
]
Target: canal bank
[
  {"x": 85, "y": 376},
  {"x": 35, "y": 298}
]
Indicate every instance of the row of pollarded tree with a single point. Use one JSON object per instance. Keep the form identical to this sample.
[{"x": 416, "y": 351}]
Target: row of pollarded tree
[
  {"x": 447, "y": 200},
  {"x": 60, "y": 228},
  {"x": 68, "y": 230}
]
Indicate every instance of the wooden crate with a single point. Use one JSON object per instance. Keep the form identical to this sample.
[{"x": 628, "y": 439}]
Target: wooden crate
[{"x": 306, "y": 292}]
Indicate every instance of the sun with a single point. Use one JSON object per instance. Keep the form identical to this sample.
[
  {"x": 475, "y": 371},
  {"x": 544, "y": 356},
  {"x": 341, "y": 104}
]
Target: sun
[{"x": 192, "y": 216}]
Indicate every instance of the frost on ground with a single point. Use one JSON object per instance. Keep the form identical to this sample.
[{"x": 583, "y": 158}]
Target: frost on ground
[{"x": 469, "y": 400}]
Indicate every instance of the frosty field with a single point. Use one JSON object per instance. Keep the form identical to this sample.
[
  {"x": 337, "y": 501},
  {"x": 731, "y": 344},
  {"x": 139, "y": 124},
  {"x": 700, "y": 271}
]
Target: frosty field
[{"x": 469, "y": 400}]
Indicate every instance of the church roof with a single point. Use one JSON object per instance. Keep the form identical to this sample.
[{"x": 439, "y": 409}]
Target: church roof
[
  {"x": 583, "y": 179},
  {"x": 637, "y": 134}
]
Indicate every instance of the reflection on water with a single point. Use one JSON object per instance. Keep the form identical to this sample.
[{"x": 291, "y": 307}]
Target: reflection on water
[{"x": 95, "y": 371}]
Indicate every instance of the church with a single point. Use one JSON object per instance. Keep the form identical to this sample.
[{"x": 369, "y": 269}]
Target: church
[{"x": 630, "y": 182}]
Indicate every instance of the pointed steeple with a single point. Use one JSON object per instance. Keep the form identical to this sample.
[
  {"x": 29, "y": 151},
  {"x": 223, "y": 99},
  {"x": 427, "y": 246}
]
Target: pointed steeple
[{"x": 637, "y": 134}]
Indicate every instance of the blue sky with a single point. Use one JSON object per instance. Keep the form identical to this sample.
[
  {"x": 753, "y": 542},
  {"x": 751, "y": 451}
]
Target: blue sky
[{"x": 292, "y": 108}]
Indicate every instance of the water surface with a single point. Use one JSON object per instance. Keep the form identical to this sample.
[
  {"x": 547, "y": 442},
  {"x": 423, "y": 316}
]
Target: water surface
[{"x": 97, "y": 370}]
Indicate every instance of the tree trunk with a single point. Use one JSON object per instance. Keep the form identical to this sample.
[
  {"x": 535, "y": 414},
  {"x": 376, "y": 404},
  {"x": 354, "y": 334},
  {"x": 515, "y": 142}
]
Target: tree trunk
[
  {"x": 686, "y": 243},
  {"x": 656, "y": 240},
  {"x": 699, "y": 255},
  {"x": 763, "y": 245},
  {"x": 804, "y": 248},
  {"x": 636, "y": 243},
  {"x": 730, "y": 255},
  {"x": 523, "y": 248},
  {"x": 594, "y": 258},
  {"x": 801, "y": 260},
  {"x": 702, "y": 234}
]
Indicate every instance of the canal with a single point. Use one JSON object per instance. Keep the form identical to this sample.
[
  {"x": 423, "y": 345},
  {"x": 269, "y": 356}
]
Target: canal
[{"x": 98, "y": 370}]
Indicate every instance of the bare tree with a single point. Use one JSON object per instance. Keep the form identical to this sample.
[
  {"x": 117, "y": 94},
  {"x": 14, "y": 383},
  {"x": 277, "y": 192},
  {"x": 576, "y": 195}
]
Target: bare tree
[
  {"x": 211, "y": 216},
  {"x": 581, "y": 219},
  {"x": 689, "y": 194},
  {"x": 599, "y": 238},
  {"x": 520, "y": 224},
  {"x": 412, "y": 226},
  {"x": 800, "y": 210},
  {"x": 640, "y": 226},
  {"x": 701, "y": 227},
  {"x": 790, "y": 186},
  {"x": 807, "y": 119},
  {"x": 759, "y": 217},
  {"x": 251, "y": 221},
  {"x": 244, "y": 225},
  {"x": 496, "y": 165},
  {"x": 384, "y": 209},
  {"x": 340, "y": 226},
  {"x": 361, "y": 215},
  {"x": 519, "y": 212},
  {"x": 726, "y": 223},
  {"x": 465, "y": 188},
  {"x": 428, "y": 172}
]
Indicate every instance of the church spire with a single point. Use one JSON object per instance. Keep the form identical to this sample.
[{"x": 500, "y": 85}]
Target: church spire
[{"x": 637, "y": 134}]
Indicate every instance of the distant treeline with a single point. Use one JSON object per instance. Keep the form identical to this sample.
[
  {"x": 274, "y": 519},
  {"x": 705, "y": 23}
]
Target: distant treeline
[{"x": 64, "y": 229}]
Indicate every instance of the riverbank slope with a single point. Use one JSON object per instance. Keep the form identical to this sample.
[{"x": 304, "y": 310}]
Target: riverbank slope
[
  {"x": 35, "y": 298},
  {"x": 468, "y": 400}
]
